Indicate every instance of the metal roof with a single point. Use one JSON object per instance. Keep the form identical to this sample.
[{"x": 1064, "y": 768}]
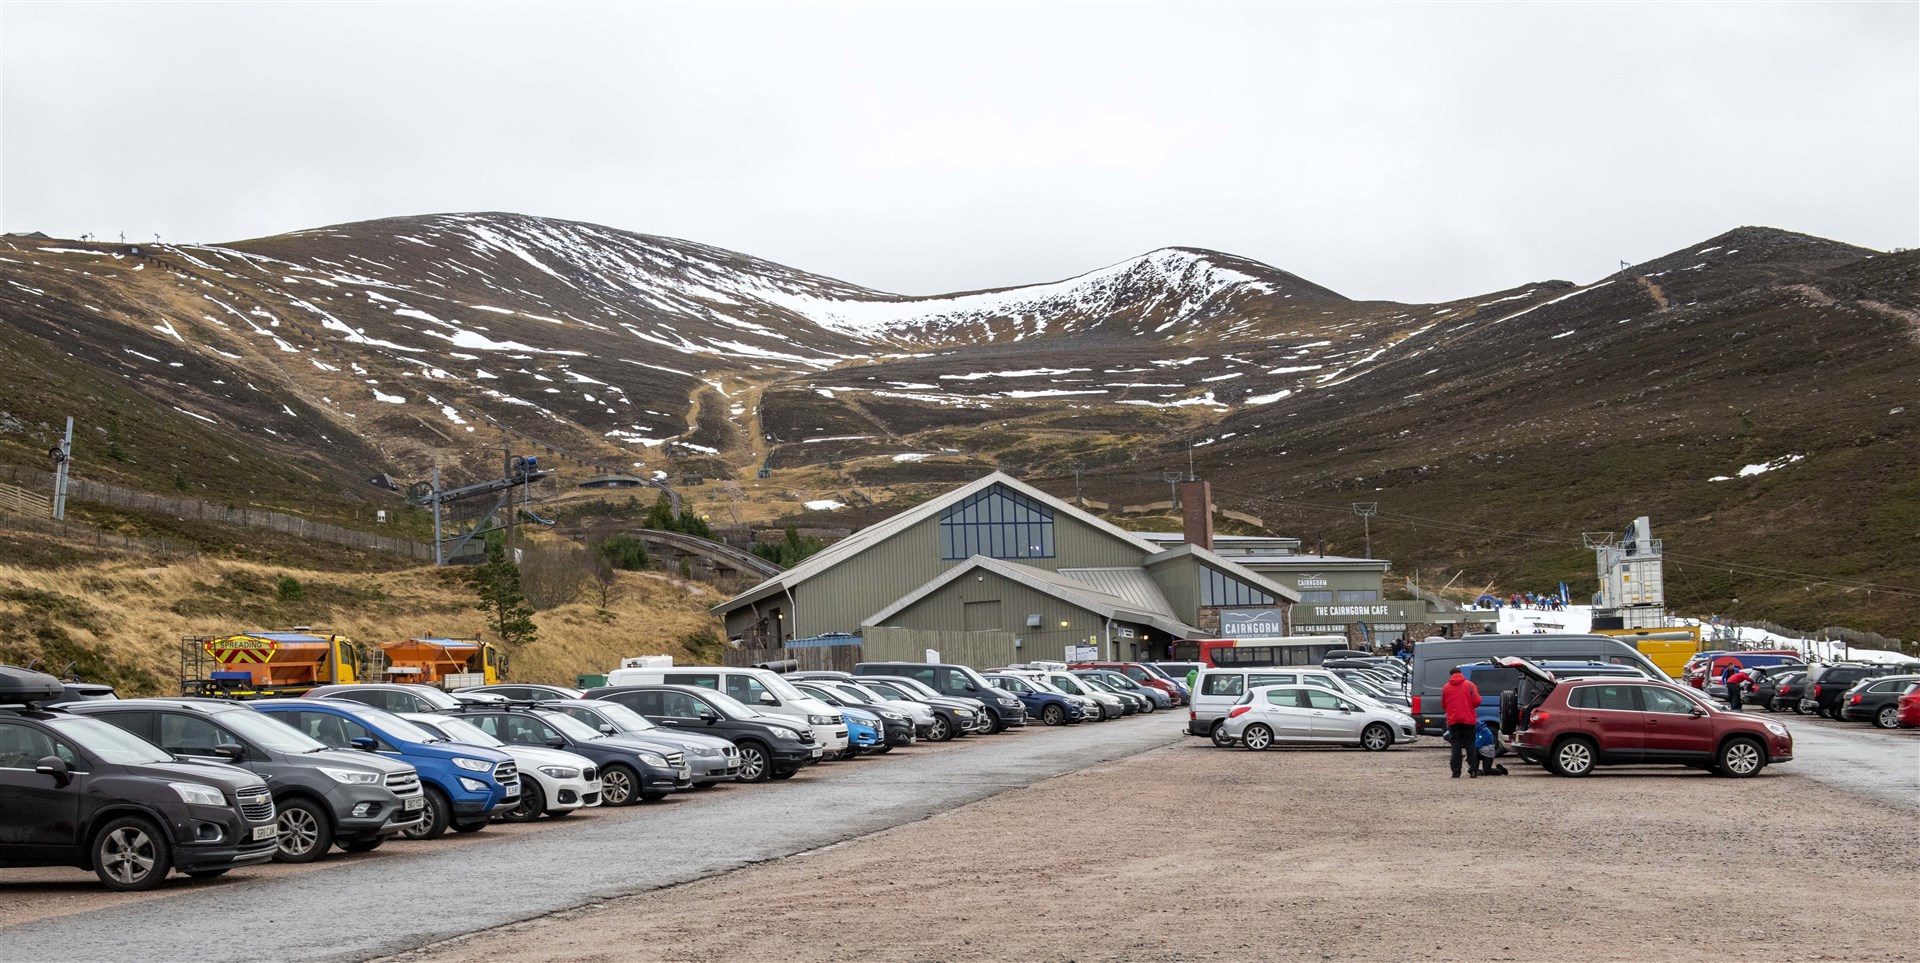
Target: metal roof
[
  {"x": 1131, "y": 584},
  {"x": 1059, "y": 586}
]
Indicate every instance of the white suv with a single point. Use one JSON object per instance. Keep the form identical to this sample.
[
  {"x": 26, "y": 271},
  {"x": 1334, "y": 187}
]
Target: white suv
[
  {"x": 552, "y": 781},
  {"x": 1215, "y": 691}
]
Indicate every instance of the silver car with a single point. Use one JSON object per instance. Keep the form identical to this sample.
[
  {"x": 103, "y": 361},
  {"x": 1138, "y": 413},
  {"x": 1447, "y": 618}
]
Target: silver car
[{"x": 1310, "y": 714}]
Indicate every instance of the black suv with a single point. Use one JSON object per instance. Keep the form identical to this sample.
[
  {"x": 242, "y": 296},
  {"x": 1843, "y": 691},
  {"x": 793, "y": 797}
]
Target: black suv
[
  {"x": 75, "y": 791},
  {"x": 771, "y": 747},
  {"x": 630, "y": 770},
  {"x": 1827, "y": 684},
  {"x": 958, "y": 681},
  {"x": 325, "y": 797}
]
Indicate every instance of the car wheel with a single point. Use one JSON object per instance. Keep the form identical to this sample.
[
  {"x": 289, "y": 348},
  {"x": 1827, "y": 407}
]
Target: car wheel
[
  {"x": 306, "y": 832},
  {"x": 1741, "y": 758},
  {"x": 1509, "y": 711},
  {"x": 1053, "y": 715},
  {"x": 1219, "y": 734},
  {"x": 995, "y": 725},
  {"x": 531, "y": 804},
  {"x": 130, "y": 854},
  {"x": 1574, "y": 757},
  {"x": 1377, "y": 737},
  {"x": 1887, "y": 718},
  {"x": 1835, "y": 713},
  {"x": 619, "y": 785},
  {"x": 1257, "y": 737},
  {"x": 472, "y": 827},
  {"x": 942, "y": 729},
  {"x": 363, "y": 845},
  {"x": 754, "y": 763},
  {"x": 1798, "y": 711},
  {"x": 433, "y": 820},
  {"x": 209, "y": 873}
]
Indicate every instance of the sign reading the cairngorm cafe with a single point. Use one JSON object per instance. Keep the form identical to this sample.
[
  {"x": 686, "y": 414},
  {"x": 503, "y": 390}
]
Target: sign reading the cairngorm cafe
[{"x": 1251, "y": 623}]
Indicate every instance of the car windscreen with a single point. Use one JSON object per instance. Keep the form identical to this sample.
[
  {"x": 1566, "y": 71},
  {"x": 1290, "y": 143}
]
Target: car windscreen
[
  {"x": 460, "y": 730},
  {"x": 394, "y": 726},
  {"x": 887, "y": 691},
  {"x": 569, "y": 726},
  {"x": 729, "y": 706},
  {"x": 853, "y": 693},
  {"x": 820, "y": 694},
  {"x": 780, "y": 687},
  {"x": 266, "y": 733},
  {"x": 623, "y": 718},
  {"x": 109, "y": 742},
  {"x": 916, "y": 687}
]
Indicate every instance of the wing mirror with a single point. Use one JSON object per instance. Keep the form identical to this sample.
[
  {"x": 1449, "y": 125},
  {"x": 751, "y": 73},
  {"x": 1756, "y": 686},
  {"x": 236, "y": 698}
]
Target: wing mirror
[
  {"x": 361, "y": 743},
  {"x": 232, "y": 752},
  {"x": 56, "y": 767},
  {"x": 559, "y": 742},
  {"x": 767, "y": 699},
  {"x": 709, "y": 716},
  {"x": 1696, "y": 712},
  {"x": 606, "y": 728}
]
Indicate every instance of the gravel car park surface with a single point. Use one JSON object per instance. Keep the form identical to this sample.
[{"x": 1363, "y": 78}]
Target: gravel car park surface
[{"x": 1307, "y": 854}]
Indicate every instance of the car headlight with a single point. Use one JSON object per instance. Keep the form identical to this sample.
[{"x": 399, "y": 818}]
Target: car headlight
[
  {"x": 658, "y": 762},
  {"x": 964, "y": 713},
  {"x": 560, "y": 772},
  {"x": 1009, "y": 702},
  {"x": 473, "y": 765},
  {"x": 893, "y": 716},
  {"x": 826, "y": 720},
  {"x": 350, "y": 776},
  {"x": 193, "y": 792},
  {"x": 1776, "y": 728},
  {"x": 784, "y": 732},
  {"x": 705, "y": 751}
]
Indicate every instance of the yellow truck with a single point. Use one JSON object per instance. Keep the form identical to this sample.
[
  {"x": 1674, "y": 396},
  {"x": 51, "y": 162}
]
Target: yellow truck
[
  {"x": 263, "y": 664},
  {"x": 446, "y": 663},
  {"x": 1668, "y": 646}
]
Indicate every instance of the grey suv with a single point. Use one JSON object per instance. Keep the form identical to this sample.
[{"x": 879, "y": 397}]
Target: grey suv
[{"x": 324, "y": 797}]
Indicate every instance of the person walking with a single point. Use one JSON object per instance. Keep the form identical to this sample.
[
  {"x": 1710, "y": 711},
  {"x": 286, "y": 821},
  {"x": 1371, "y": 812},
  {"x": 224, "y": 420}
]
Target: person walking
[
  {"x": 1460, "y": 699},
  {"x": 1734, "y": 682}
]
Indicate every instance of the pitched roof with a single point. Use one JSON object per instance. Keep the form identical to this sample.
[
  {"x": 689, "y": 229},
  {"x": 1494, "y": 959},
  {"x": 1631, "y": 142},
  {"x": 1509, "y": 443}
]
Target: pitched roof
[
  {"x": 1227, "y": 566},
  {"x": 1057, "y": 585},
  {"x": 1132, "y": 584},
  {"x": 878, "y": 532}
]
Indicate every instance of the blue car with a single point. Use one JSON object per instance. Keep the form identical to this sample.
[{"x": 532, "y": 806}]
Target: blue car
[
  {"x": 464, "y": 784},
  {"x": 1050, "y": 707},
  {"x": 865, "y": 731}
]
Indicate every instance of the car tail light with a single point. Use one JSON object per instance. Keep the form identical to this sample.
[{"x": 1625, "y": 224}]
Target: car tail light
[
  {"x": 1193, "y": 715},
  {"x": 1236, "y": 711},
  {"x": 1816, "y": 692},
  {"x": 1855, "y": 700},
  {"x": 1537, "y": 716},
  {"x": 1416, "y": 705}
]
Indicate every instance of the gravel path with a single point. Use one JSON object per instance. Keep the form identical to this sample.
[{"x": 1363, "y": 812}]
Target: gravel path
[{"x": 1192, "y": 853}]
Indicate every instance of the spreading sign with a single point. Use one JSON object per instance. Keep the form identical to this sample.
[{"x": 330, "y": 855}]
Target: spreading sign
[{"x": 233, "y": 649}]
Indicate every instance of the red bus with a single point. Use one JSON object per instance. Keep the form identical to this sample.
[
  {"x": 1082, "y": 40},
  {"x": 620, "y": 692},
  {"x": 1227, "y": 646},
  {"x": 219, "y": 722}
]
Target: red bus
[{"x": 1239, "y": 653}]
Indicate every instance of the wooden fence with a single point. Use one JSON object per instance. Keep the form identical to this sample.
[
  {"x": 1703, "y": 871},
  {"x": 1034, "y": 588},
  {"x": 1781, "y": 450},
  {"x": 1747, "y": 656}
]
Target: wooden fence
[
  {"x": 817, "y": 658},
  {"x": 79, "y": 489},
  {"x": 982, "y": 650},
  {"x": 19, "y": 501},
  {"x": 86, "y": 535}
]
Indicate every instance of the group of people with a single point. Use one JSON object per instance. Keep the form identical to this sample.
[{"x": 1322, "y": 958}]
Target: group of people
[
  {"x": 1466, "y": 734},
  {"x": 1735, "y": 678},
  {"x": 1530, "y": 600},
  {"x": 1402, "y": 649}
]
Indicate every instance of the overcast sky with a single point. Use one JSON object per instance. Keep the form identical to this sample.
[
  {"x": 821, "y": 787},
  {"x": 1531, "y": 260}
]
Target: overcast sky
[{"x": 1413, "y": 152}]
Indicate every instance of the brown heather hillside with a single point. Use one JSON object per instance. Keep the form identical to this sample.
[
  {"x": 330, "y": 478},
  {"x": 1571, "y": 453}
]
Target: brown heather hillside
[{"x": 122, "y": 618}]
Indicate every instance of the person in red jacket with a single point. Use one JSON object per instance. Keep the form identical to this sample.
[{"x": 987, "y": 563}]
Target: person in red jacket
[
  {"x": 1737, "y": 678},
  {"x": 1461, "y": 700}
]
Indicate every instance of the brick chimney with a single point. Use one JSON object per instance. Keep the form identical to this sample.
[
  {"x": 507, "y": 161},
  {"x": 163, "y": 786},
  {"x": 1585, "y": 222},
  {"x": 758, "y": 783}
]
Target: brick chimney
[{"x": 1196, "y": 513}]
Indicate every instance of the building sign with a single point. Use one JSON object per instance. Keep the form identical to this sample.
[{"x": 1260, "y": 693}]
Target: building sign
[
  {"x": 1394, "y": 611},
  {"x": 1311, "y": 582},
  {"x": 1123, "y": 631},
  {"x": 1083, "y": 653},
  {"x": 1251, "y": 623}
]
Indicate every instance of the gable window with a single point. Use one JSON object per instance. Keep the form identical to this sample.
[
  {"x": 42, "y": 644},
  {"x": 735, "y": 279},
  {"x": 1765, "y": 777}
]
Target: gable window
[
  {"x": 997, "y": 523},
  {"x": 1219, "y": 589}
]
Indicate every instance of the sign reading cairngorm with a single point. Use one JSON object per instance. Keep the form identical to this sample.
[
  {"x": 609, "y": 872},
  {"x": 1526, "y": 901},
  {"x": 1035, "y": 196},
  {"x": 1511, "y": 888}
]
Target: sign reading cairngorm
[{"x": 1251, "y": 623}]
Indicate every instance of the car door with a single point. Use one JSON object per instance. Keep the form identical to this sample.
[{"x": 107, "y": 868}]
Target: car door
[
  {"x": 1286, "y": 710},
  {"x": 1672, "y": 729},
  {"x": 1331, "y": 716},
  {"x": 1611, "y": 714},
  {"x": 40, "y": 818}
]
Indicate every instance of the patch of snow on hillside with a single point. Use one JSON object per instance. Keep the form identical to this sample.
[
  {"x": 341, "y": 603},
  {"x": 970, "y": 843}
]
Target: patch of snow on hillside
[
  {"x": 824, "y": 505},
  {"x": 1050, "y": 393},
  {"x": 1025, "y": 373},
  {"x": 1226, "y": 377},
  {"x": 1270, "y": 399},
  {"x": 1183, "y": 362},
  {"x": 1768, "y": 466},
  {"x": 139, "y": 355},
  {"x": 1560, "y": 335},
  {"x": 1295, "y": 368},
  {"x": 379, "y": 395},
  {"x": 823, "y": 392},
  {"x": 1563, "y": 297},
  {"x": 910, "y": 456},
  {"x": 190, "y": 414},
  {"x": 1205, "y": 399},
  {"x": 166, "y": 327}
]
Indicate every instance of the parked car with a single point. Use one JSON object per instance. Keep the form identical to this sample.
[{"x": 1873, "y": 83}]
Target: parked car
[
  {"x": 1221, "y": 689},
  {"x": 768, "y": 692},
  {"x": 866, "y": 731},
  {"x": 1144, "y": 675},
  {"x": 1717, "y": 669},
  {"x": 1368, "y": 684},
  {"x": 1910, "y": 709},
  {"x": 1051, "y": 707},
  {"x": 713, "y": 758},
  {"x": 521, "y": 691},
  {"x": 391, "y": 696},
  {"x": 464, "y": 784},
  {"x": 1877, "y": 700},
  {"x": 1571, "y": 726},
  {"x": 1788, "y": 691},
  {"x": 1129, "y": 703},
  {"x": 958, "y": 681},
  {"x": 1763, "y": 683},
  {"x": 1125, "y": 685},
  {"x": 1828, "y": 684},
  {"x": 919, "y": 717},
  {"x": 553, "y": 782},
  {"x": 891, "y": 727},
  {"x": 964, "y": 716},
  {"x": 1111, "y": 706},
  {"x": 322, "y": 797},
  {"x": 82, "y": 793},
  {"x": 1303, "y": 713},
  {"x": 770, "y": 747},
  {"x": 630, "y": 771}
]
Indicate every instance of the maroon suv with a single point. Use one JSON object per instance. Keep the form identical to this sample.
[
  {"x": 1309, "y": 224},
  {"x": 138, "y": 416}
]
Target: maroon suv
[{"x": 1573, "y": 725}]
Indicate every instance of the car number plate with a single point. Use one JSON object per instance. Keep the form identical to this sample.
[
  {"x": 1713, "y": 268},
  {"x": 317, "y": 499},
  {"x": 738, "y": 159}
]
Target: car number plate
[
  {"x": 415, "y": 802},
  {"x": 264, "y": 832}
]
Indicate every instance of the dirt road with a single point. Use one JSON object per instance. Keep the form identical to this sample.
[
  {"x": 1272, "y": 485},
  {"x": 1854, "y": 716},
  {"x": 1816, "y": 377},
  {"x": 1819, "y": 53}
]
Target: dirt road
[{"x": 1193, "y": 853}]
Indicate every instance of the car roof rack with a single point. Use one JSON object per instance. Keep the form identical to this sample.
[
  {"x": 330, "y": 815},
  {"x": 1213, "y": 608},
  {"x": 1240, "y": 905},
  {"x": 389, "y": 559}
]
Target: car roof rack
[{"x": 28, "y": 688}]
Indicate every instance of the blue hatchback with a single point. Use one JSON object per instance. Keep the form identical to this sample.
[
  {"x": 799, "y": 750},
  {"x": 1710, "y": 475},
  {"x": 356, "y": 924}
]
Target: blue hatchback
[
  {"x": 865, "y": 731},
  {"x": 464, "y": 784}
]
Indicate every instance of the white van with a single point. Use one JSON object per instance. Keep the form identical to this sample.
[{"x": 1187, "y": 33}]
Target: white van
[
  {"x": 762, "y": 689},
  {"x": 1217, "y": 690}
]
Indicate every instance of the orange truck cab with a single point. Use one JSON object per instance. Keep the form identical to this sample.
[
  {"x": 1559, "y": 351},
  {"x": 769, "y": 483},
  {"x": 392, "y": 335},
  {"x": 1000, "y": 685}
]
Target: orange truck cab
[
  {"x": 254, "y": 664},
  {"x": 447, "y": 663}
]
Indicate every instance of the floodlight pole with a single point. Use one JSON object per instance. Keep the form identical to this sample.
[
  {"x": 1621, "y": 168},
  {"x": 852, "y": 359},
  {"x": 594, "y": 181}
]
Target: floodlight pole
[
  {"x": 439, "y": 547},
  {"x": 62, "y": 458}
]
